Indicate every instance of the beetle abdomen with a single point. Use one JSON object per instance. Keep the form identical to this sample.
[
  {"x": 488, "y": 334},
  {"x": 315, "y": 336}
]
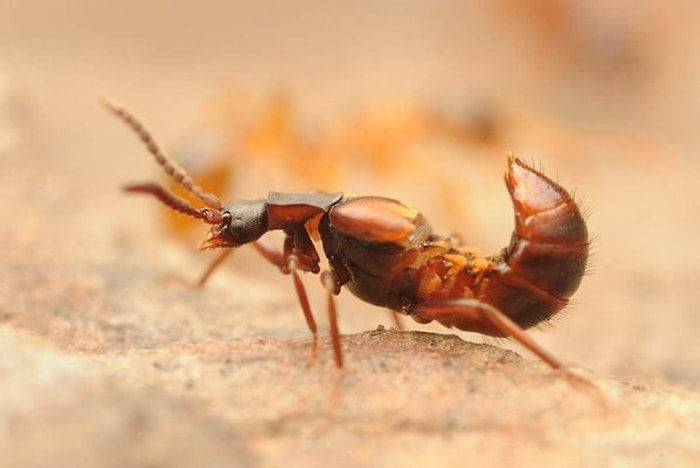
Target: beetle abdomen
[{"x": 545, "y": 262}]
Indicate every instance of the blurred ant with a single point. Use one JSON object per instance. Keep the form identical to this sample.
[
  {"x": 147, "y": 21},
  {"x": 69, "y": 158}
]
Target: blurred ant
[{"x": 386, "y": 253}]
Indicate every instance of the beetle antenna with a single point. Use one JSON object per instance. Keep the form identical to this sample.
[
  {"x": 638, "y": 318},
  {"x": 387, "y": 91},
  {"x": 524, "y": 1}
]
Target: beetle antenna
[
  {"x": 176, "y": 203},
  {"x": 170, "y": 167}
]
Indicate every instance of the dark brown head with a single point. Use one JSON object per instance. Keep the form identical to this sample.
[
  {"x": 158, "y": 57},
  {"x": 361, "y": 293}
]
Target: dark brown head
[{"x": 243, "y": 221}]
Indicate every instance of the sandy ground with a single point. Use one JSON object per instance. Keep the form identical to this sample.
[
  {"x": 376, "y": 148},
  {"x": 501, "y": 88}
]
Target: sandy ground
[{"x": 107, "y": 358}]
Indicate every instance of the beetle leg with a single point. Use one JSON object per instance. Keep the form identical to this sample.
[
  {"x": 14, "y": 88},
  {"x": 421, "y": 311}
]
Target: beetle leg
[
  {"x": 213, "y": 266},
  {"x": 291, "y": 265},
  {"x": 298, "y": 243},
  {"x": 396, "y": 318},
  {"x": 450, "y": 311},
  {"x": 270, "y": 253},
  {"x": 331, "y": 284}
]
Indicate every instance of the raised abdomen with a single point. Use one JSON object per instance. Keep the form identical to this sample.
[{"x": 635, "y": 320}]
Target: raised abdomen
[{"x": 545, "y": 262}]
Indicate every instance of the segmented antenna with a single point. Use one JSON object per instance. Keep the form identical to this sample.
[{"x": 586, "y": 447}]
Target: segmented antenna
[
  {"x": 176, "y": 203},
  {"x": 170, "y": 167}
]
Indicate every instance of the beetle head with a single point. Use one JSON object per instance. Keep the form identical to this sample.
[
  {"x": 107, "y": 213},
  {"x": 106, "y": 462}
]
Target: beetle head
[{"x": 242, "y": 222}]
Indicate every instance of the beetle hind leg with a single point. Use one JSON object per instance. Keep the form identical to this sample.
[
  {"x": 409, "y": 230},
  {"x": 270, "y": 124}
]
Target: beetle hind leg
[
  {"x": 454, "y": 312},
  {"x": 473, "y": 311}
]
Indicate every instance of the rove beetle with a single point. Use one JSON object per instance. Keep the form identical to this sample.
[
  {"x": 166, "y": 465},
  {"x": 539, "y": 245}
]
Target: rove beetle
[{"x": 386, "y": 254}]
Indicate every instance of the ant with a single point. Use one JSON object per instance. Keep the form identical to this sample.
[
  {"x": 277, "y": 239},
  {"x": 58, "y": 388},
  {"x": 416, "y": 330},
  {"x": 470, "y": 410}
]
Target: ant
[{"x": 386, "y": 254}]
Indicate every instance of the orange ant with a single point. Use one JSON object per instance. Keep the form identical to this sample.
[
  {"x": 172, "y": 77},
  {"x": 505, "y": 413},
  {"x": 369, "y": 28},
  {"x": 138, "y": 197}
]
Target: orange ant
[{"x": 386, "y": 254}]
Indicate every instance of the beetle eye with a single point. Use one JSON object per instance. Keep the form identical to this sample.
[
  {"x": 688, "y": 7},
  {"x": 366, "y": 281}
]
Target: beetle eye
[
  {"x": 235, "y": 225},
  {"x": 225, "y": 219},
  {"x": 243, "y": 222}
]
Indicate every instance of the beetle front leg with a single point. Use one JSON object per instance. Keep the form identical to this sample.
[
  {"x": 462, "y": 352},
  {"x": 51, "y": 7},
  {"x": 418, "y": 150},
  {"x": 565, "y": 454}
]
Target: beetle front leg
[
  {"x": 291, "y": 265},
  {"x": 213, "y": 266}
]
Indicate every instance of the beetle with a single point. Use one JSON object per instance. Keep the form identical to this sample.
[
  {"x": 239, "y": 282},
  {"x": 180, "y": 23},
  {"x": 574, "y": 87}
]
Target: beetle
[{"x": 386, "y": 253}]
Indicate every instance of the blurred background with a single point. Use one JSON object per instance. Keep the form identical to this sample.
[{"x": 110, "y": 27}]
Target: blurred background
[{"x": 420, "y": 101}]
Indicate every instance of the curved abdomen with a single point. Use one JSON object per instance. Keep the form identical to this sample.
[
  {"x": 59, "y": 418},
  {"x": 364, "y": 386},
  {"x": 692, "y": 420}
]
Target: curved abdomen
[{"x": 545, "y": 262}]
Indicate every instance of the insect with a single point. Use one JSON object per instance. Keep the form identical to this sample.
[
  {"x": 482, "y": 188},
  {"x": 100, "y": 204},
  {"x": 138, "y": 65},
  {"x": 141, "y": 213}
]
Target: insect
[{"x": 386, "y": 253}]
